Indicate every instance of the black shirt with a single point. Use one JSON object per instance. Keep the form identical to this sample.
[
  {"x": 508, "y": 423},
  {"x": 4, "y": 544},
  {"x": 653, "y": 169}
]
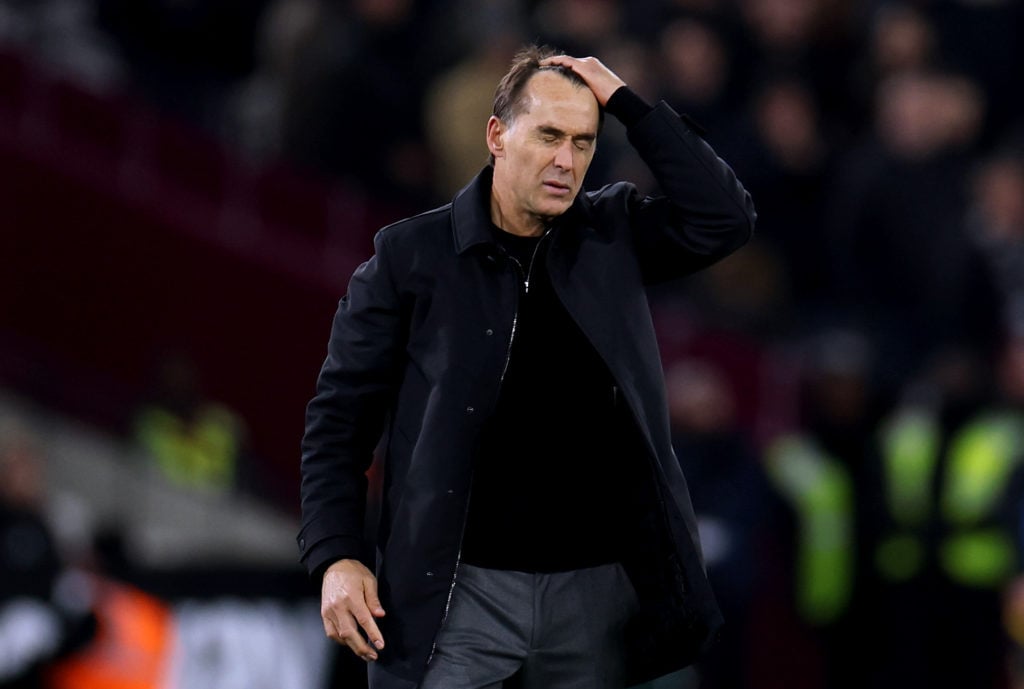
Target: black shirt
[{"x": 547, "y": 487}]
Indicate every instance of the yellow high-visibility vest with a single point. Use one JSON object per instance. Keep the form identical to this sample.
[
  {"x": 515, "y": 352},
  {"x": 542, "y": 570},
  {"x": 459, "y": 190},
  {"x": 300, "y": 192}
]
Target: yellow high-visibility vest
[
  {"x": 201, "y": 453},
  {"x": 980, "y": 460},
  {"x": 820, "y": 490}
]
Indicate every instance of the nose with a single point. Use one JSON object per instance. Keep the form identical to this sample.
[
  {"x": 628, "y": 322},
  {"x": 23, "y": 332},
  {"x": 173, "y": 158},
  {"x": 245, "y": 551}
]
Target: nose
[{"x": 563, "y": 156}]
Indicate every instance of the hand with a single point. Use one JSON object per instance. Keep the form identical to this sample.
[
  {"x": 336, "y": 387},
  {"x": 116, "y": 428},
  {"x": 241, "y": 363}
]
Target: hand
[
  {"x": 601, "y": 80},
  {"x": 349, "y": 601}
]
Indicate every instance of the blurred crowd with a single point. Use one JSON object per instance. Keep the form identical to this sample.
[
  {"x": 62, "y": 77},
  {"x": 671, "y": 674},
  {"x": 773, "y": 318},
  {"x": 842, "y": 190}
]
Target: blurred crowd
[
  {"x": 847, "y": 392},
  {"x": 882, "y": 141}
]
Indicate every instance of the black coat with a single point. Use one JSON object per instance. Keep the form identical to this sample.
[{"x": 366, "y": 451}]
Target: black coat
[{"x": 417, "y": 352}]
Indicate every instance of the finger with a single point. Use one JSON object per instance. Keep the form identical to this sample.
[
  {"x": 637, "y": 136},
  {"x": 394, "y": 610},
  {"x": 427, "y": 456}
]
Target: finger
[
  {"x": 368, "y": 624},
  {"x": 331, "y": 630},
  {"x": 372, "y": 599},
  {"x": 347, "y": 633},
  {"x": 355, "y": 641},
  {"x": 561, "y": 60}
]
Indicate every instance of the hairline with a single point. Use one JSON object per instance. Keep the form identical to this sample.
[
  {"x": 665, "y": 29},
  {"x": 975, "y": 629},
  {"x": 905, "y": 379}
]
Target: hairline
[{"x": 518, "y": 106}]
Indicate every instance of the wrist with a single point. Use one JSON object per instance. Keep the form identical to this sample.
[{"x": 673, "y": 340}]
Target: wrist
[{"x": 627, "y": 107}]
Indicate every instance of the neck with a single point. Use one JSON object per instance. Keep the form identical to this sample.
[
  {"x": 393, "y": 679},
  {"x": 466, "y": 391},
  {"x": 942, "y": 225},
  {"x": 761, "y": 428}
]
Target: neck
[{"x": 522, "y": 224}]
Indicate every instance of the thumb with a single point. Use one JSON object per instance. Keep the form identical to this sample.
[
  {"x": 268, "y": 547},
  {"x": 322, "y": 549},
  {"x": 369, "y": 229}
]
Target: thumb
[{"x": 372, "y": 599}]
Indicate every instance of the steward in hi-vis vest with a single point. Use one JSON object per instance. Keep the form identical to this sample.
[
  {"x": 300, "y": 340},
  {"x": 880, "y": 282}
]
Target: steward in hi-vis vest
[
  {"x": 946, "y": 542},
  {"x": 947, "y": 499},
  {"x": 819, "y": 490}
]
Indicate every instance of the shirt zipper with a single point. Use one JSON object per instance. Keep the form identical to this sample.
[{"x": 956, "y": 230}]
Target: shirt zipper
[
  {"x": 525, "y": 277},
  {"x": 508, "y": 357}
]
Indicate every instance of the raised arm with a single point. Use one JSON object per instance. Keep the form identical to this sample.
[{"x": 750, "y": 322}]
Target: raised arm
[{"x": 704, "y": 213}]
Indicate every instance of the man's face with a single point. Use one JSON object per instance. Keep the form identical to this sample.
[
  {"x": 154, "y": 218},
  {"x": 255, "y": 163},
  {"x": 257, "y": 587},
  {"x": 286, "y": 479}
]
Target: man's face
[{"x": 542, "y": 156}]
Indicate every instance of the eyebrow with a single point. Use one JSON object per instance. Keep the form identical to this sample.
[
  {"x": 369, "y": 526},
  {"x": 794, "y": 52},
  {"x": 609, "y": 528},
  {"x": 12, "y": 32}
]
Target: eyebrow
[{"x": 555, "y": 131}]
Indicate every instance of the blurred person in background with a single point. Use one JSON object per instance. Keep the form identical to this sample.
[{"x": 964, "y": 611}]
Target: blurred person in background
[
  {"x": 37, "y": 624},
  {"x": 899, "y": 39},
  {"x": 731, "y": 496},
  {"x": 901, "y": 261},
  {"x": 695, "y": 70},
  {"x": 352, "y": 110},
  {"x": 254, "y": 109},
  {"x": 947, "y": 487},
  {"x": 458, "y": 101},
  {"x": 787, "y": 161},
  {"x": 504, "y": 345},
  {"x": 578, "y": 26},
  {"x": 194, "y": 442},
  {"x": 810, "y": 39},
  {"x": 134, "y": 644},
  {"x": 982, "y": 40},
  {"x": 995, "y": 221},
  {"x": 815, "y": 471}
]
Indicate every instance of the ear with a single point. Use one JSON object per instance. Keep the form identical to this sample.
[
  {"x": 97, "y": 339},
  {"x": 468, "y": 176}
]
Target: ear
[{"x": 495, "y": 137}]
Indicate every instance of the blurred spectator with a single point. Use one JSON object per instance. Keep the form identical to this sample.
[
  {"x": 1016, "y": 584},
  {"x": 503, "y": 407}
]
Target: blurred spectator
[
  {"x": 695, "y": 71},
  {"x": 982, "y": 40},
  {"x": 457, "y": 107},
  {"x": 37, "y": 623},
  {"x": 816, "y": 471},
  {"x": 808, "y": 38},
  {"x": 730, "y": 498},
  {"x": 786, "y": 155},
  {"x": 948, "y": 485},
  {"x": 995, "y": 221},
  {"x": 194, "y": 442},
  {"x": 578, "y": 27},
  {"x": 900, "y": 38},
  {"x": 901, "y": 260},
  {"x": 354, "y": 109},
  {"x": 255, "y": 108},
  {"x": 132, "y": 645}
]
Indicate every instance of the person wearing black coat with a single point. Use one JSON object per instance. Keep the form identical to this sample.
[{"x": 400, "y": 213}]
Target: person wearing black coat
[{"x": 534, "y": 519}]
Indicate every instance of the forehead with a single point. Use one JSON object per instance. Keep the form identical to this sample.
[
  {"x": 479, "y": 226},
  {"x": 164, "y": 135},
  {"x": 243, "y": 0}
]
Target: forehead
[{"x": 551, "y": 99}]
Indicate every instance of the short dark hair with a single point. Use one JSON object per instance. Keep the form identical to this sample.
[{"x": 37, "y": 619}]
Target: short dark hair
[{"x": 508, "y": 97}]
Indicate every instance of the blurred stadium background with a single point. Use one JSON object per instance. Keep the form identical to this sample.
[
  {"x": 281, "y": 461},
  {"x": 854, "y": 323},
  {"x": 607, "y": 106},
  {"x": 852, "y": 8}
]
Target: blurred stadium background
[{"x": 186, "y": 186}]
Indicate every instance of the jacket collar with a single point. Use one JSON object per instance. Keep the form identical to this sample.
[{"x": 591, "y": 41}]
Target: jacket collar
[{"x": 471, "y": 212}]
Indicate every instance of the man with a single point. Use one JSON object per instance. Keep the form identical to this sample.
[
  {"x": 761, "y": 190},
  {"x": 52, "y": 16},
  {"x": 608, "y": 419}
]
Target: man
[{"x": 534, "y": 519}]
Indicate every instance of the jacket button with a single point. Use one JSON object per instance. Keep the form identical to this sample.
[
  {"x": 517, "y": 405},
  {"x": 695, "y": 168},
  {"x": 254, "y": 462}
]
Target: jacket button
[
  {"x": 430, "y": 574},
  {"x": 302, "y": 543},
  {"x": 451, "y": 491},
  {"x": 489, "y": 332},
  {"x": 470, "y": 410}
]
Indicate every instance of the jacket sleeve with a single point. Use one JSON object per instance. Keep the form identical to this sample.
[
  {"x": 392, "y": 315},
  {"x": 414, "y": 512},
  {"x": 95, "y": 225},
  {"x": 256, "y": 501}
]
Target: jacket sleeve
[
  {"x": 703, "y": 213},
  {"x": 346, "y": 417}
]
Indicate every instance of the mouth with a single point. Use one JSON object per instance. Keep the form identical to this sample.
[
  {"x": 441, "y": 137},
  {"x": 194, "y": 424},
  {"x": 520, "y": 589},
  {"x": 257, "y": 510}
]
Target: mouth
[{"x": 557, "y": 188}]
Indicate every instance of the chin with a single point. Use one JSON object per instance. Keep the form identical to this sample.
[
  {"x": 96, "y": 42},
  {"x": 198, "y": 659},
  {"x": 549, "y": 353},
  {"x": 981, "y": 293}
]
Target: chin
[{"x": 553, "y": 210}]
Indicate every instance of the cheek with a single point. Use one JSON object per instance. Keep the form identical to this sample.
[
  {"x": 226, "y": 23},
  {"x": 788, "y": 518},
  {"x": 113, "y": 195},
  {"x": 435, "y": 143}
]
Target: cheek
[{"x": 583, "y": 159}]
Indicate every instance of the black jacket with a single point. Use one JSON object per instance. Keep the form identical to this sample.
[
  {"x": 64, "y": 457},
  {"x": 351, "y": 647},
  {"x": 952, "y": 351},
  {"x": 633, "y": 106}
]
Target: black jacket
[{"x": 417, "y": 352}]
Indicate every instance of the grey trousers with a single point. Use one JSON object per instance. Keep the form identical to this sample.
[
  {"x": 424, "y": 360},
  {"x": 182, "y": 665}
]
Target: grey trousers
[{"x": 562, "y": 630}]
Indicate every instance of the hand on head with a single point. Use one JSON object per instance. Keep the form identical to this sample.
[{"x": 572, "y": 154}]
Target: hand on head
[{"x": 601, "y": 80}]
